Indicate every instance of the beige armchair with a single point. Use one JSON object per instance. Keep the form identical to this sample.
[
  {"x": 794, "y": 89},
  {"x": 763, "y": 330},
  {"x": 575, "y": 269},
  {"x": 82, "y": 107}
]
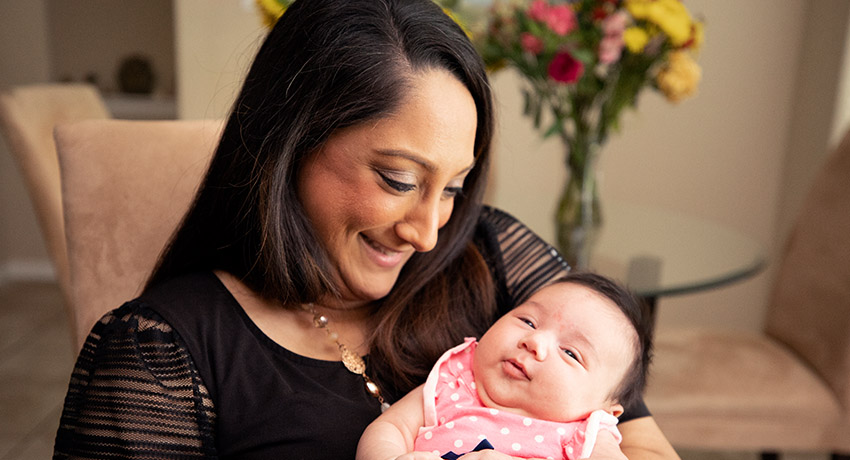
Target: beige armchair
[
  {"x": 28, "y": 115},
  {"x": 787, "y": 389},
  {"x": 125, "y": 187}
]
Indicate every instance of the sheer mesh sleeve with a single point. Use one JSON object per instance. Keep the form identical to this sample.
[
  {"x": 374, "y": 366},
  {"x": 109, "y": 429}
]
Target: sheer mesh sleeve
[
  {"x": 135, "y": 393},
  {"x": 528, "y": 262}
]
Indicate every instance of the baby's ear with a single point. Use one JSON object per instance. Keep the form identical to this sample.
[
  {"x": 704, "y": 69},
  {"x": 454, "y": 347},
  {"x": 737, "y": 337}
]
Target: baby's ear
[{"x": 615, "y": 409}]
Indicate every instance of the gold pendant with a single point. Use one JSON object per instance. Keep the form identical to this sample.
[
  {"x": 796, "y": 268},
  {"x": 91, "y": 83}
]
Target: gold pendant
[{"x": 352, "y": 361}]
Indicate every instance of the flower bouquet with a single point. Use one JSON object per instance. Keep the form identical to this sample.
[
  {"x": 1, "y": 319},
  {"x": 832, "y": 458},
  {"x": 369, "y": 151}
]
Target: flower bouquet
[{"x": 582, "y": 63}]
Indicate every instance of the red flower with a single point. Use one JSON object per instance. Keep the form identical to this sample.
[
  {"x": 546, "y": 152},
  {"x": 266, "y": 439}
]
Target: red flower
[{"x": 565, "y": 68}]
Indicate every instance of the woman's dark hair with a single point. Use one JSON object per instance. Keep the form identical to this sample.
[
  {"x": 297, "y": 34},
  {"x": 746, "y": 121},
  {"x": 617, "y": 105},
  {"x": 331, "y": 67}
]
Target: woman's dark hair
[
  {"x": 630, "y": 389},
  {"x": 328, "y": 65}
]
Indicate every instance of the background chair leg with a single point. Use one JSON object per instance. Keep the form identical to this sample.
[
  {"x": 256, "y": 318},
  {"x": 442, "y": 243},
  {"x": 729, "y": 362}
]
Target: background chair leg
[{"x": 770, "y": 456}]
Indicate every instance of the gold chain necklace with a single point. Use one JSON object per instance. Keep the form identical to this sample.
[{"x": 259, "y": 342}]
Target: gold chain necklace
[{"x": 350, "y": 359}]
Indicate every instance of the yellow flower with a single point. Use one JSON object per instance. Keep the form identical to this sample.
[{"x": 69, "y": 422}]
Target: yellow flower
[
  {"x": 636, "y": 39},
  {"x": 271, "y": 10},
  {"x": 679, "y": 78},
  {"x": 670, "y": 16},
  {"x": 699, "y": 35}
]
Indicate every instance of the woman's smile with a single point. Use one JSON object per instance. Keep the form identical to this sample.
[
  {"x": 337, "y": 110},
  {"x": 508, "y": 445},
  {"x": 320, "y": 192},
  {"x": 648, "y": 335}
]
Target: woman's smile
[{"x": 382, "y": 255}]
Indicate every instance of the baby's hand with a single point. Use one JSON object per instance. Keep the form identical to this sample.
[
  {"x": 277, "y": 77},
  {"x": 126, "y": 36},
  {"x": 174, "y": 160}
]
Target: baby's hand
[{"x": 606, "y": 447}]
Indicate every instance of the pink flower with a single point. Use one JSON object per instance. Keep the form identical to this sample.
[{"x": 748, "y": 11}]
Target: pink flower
[
  {"x": 565, "y": 68},
  {"x": 531, "y": 43},
  {"x": 615, "y": 24},
  {"x": 611, "y": 45},
  {"x": 538, "y": 10},
  {"x": 561, "y": 19},
  {"x": 610, "y": 49}
]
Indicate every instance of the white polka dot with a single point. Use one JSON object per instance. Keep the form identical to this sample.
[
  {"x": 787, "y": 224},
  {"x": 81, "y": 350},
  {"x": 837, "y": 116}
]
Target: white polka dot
[
  {"x": 570, "y": 449},
  {"x": 505, "y": 430},
  {"x": 460, "y": 380},
  {"x": 481, "y": 437},
  {"x": 437, "y": 452},
  {"x": 444, "y": 375},
  {"x": 458, "y": 406},
  {"x": 473, "y": 418},
  {"x": 515, "y": 446},
  {"x": 428, "y": 435},
  {"x": 460, "y": 365},
  {"x": 538, "y": 438},
  {"x": 455, "y": 397},
  {"x": 581, "y": 432},
  {"x": 494, "y": 411},
  {"x": 452, "y": 385},
  {"x": 450, "y": 425},
  {"x": 442, "y": 420},
  {"x": 459, "y": 443},
  {"x": 562, "y": 431},
  {"x": 550, "y": 458},
  {"x": 526, "y": 421},
  {"x": 472, "y": 385}
]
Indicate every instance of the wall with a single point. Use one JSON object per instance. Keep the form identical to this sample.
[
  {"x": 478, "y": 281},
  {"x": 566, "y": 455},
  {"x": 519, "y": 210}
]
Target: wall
[
  {"x": 214, "y": 47},
  {"x": 94, "y": 36}
]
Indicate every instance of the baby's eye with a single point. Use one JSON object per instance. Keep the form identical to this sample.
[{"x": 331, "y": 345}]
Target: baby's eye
[
  {"x": 570, "y": 354},
  {"x": 528, "y": 322}
]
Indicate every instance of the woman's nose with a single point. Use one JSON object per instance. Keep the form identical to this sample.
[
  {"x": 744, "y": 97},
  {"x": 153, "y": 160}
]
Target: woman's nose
[
  {"x": 535, "y": 343},
  {"x": 421, "y": 225}
]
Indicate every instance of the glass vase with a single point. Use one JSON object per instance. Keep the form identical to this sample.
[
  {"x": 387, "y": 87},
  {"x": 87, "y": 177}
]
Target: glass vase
[{"x": 579, "y": 216}]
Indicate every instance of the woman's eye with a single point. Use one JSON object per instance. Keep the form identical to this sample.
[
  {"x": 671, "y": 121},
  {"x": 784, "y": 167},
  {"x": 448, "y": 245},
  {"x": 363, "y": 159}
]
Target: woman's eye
[
  {"x": 452, "y": 192},
  {"x": 396, "y": 185}
]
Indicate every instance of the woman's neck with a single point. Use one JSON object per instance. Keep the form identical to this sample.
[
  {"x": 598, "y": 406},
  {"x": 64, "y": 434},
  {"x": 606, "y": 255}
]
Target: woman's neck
[{"x": 292, "y": 327}]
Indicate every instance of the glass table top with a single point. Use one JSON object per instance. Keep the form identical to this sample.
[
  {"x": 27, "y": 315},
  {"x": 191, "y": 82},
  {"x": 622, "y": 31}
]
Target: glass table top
[{"x": 660, "y": 252}]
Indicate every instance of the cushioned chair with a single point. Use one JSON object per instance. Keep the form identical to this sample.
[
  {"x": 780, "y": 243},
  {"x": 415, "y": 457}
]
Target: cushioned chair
[
  {"x": 787, "y": 389},
  {"x": 28, "y": 115},
  {"x": 125, "y": 187}
]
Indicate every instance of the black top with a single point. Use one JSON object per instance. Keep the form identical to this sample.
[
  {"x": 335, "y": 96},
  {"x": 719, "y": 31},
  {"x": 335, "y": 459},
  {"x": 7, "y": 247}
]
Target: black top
[{"x": 183, "y": 372}]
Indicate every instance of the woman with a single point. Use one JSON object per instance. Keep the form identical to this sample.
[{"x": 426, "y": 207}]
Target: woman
[{"x": 340, "y": 217}]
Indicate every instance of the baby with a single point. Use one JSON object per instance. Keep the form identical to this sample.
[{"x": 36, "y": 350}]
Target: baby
[{"x": 541, "y": 383}]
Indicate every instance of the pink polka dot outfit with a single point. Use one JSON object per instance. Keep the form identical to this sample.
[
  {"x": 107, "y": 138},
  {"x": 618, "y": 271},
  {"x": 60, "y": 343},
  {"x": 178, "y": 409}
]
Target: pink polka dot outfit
[{"x": 456, "y": 419}]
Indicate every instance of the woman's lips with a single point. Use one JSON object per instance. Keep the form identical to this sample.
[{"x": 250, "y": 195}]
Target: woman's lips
[{"x": 380, "y": 254}]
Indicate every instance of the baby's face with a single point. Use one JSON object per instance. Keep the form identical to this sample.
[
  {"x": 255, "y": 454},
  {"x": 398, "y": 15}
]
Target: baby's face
[{"x": 557, "y": 356}]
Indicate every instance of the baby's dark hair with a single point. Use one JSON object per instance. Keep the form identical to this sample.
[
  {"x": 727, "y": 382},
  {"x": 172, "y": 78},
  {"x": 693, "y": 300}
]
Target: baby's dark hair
[{"x": 630, "y": 389}]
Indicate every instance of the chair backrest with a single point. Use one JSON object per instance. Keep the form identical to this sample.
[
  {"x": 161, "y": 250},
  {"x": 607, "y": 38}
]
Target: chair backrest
[
  {"x": 809, "y": 309},
  {"x": 28, "y": 115},
  {"x": 125, "y": 187}
]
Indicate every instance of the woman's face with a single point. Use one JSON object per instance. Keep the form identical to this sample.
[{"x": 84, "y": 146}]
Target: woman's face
[{"x": 378, "y": 192}]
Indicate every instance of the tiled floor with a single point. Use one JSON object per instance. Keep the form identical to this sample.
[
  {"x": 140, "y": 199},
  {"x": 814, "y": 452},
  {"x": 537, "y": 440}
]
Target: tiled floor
[{"x": 36, "y": 362}]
